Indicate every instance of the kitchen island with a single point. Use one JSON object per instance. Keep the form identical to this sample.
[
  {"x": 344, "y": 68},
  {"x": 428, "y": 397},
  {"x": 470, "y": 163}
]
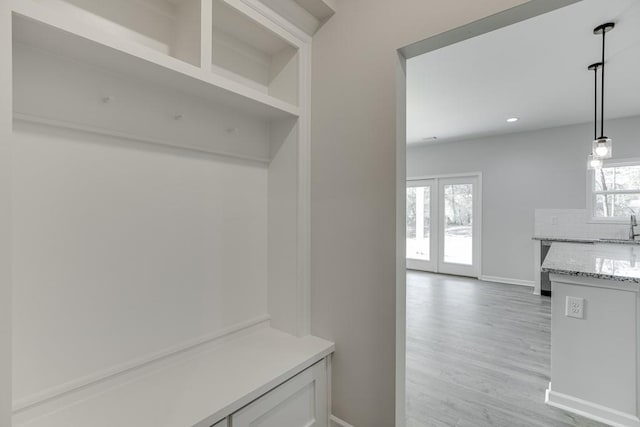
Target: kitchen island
[
  {"x": 595, "y": 327},
  {"x": 541, "y": 245}
]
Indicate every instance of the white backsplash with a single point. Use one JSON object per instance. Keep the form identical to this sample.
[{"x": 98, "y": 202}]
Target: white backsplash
[{"x": 575, "y": 223}]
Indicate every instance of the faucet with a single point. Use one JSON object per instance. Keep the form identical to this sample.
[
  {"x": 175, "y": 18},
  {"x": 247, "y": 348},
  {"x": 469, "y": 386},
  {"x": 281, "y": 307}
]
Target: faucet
[{"x": 632, "y": 226}]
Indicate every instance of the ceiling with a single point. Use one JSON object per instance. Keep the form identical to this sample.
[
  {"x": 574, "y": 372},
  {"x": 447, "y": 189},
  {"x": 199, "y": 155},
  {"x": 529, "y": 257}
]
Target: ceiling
[{"x": 535, "y": 70}]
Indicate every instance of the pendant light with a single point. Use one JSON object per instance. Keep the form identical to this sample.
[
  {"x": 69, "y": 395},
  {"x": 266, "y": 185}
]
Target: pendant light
[
  {"x": 594, "y": 162},
  {"x": 602, "y": 148}
]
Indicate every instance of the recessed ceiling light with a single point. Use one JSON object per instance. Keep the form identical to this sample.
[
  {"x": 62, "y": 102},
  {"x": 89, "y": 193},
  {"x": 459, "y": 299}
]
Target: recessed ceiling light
[{"x": 512, "y": 119}]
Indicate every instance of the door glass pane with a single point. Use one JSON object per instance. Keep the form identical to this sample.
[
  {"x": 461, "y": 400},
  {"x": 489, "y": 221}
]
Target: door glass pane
[
  {"x": 418, "y": 222},
  {"x": 458, "y": 220}
]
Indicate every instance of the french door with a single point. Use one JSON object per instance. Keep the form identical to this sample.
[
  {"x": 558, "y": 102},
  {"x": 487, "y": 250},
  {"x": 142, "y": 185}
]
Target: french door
[{"x": 443, "y": 218}]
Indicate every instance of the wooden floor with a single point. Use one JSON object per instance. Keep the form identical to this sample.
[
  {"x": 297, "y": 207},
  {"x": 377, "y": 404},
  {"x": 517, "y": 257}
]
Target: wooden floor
[{"x": 478, "y": 355}]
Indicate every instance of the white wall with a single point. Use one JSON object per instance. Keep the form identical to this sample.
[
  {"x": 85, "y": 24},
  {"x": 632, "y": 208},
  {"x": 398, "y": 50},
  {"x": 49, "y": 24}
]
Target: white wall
[
  {"x": 522, "y": 172},
  {"x": 123, "y": 250},
  {"x": 353, "y": 189},
  {"x": 5, "y": 214}
]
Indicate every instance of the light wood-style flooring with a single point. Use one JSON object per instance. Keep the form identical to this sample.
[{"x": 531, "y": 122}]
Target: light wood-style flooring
[{"x": 478, "y": 354}]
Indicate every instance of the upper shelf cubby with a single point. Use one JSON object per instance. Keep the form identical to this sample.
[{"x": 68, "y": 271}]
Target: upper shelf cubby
[
  {"x": 171, "y": 27},
  {"x": 248, "y": 48},
  {"x": 320, "y": 9},
  {"x": 162, "y": 42}
]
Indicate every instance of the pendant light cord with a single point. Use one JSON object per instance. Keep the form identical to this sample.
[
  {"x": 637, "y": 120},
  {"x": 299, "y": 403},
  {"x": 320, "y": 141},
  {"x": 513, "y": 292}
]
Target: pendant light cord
[
  {"x": 595, "y": 103},
  {"x": 602, "y": 89}
]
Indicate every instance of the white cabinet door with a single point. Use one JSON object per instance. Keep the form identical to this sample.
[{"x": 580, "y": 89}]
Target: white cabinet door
[
  {"x": 299, "y": 402},
  {"x": 223, "y": 423}
]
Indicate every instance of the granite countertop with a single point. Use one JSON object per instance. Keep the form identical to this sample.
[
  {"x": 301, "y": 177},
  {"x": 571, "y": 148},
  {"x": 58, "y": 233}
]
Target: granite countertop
[
  {"x": 602, "y": 261},
  {"x": 587, "y": 240}
]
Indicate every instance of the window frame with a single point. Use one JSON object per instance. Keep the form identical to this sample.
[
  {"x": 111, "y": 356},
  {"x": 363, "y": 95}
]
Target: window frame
[{"x": 591, "y": 193}]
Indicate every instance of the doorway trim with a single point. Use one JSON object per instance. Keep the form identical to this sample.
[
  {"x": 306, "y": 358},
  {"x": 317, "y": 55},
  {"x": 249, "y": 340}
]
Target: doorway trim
[
  {"x": 494, "y": 22},
  {"x": 477, "y": 249}
]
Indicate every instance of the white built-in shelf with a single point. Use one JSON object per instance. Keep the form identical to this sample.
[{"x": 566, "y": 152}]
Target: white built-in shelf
[
  {"x": 253, "y": 51},
  {"x": 320, "y": 9},
  {"x": 156, "y": 43},
  {"x": 197, "y": 390},
  {"x": 171, "y": 27}
]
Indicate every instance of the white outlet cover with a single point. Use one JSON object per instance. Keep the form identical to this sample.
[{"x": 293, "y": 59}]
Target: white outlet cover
[{"x": 575, "y": 307}]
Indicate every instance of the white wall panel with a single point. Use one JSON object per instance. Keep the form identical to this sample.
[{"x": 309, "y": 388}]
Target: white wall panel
[
  {"x": 126, "y": 249},
  {"x": 583, "y": 365},
  {"x": 283, "y": 219},
  {"x": 5, "y": 214}
]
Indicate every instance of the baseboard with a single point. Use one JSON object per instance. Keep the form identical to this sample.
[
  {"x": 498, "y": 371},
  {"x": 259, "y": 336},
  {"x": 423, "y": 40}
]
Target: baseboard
[
  {"x": 590, "y": 410},
  {"x": 496, "y": 279},
  {"x": 113, "y": 373},
  {"x": 337, "y": 422}
]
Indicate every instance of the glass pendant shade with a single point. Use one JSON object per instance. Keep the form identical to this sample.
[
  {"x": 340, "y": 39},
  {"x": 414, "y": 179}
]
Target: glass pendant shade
[
  {"x": 594, "y": 163},
  {"x": 602, "y": 148}
]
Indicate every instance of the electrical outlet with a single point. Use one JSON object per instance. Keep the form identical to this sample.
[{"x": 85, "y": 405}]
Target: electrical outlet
[
  {"x": 575, "y": 307},
  {"x": 554, "y": 220}
]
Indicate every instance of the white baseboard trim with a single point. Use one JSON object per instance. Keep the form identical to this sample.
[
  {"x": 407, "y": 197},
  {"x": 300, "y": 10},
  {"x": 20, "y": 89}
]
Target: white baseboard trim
[
  {"x": 507, "y": 280},
  {"x": 590, "y": 410},
  {"x": 113, "y": 373},
  {"x": 337, "y": 422}
]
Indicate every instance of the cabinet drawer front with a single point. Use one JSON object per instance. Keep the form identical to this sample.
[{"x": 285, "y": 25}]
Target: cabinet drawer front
[
  {"x": 299, "y": 402},
  {"x": 223, "y": 423}
]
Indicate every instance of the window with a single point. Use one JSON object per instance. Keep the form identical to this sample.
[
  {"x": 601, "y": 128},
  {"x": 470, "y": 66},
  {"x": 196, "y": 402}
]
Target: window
[{"x": 615, "y": 190}]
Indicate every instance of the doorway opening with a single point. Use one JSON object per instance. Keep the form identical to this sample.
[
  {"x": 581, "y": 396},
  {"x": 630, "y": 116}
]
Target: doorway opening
[{"x": 438, "y": 230}]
